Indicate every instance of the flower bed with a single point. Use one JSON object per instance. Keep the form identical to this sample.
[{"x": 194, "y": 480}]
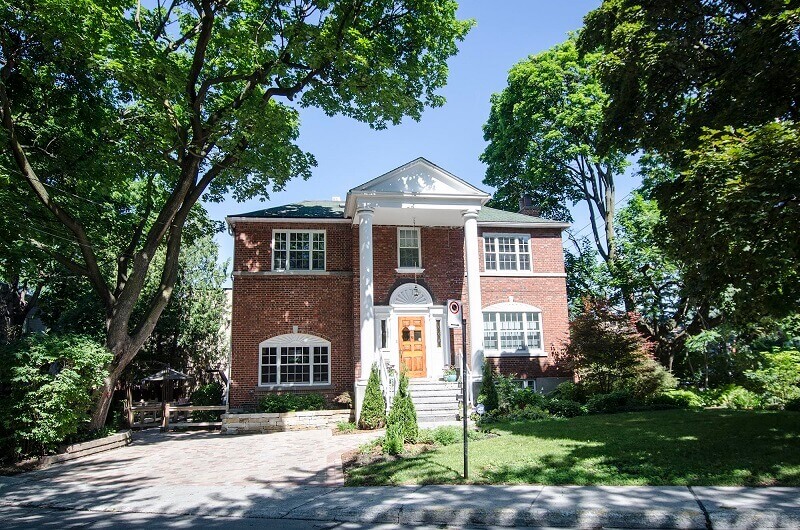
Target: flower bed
[{"x": 284, "y": 421}]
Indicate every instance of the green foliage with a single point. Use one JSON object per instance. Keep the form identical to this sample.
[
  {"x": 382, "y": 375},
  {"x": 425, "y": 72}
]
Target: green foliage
[
  {"x": 793, "y": 405},
  {"x": 647, "y": 379},
  {"x": 346, "y": 427},
  {"x": 393, "y": 440},
  {"x": 403, "y": 416},
  {"x": 488, "y": 394},
  {"x": 207, "y": 395},
  {"x": 373, "y": 409},
  {"x": 777, "y": 380},
  {"x": 46, "y": 384},
  {"x": 291, "y": 402},
  {"x": 568, "y": 390},
  {"x": 542, "y": 132},
  {"x": 741, "y": 183},
  {"x": 564, "y": 408},
  {"x": 739, "y": 398},
  {"x": 606, "y": 403},
  {"x": 679, "y": 399},
  {"x": 445, "y": 435}
]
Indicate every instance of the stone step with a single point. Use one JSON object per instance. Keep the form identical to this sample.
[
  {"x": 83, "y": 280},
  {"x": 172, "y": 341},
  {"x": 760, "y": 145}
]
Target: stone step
[
  {"x": 436, "y": 406},
  {"x": 434, "y": 386},
  {"x": 434, "y": 399},
  {"x": 434, "y": 393},
  {"x": 436, "y": 418}
]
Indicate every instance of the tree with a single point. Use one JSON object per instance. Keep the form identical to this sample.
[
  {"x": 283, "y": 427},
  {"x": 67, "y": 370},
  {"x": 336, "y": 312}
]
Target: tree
[
  {"x": 711, "y": 90},
  {"x": 373, "y": 409},
  {"x": 543, "y": 141},
  {"x": 185, "y": 100},
  {"x": 672, "y": 69}
]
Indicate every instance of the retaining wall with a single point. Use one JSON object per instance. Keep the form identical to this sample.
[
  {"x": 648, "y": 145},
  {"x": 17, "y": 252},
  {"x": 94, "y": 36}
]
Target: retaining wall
[{"x": 284, "y": 421}]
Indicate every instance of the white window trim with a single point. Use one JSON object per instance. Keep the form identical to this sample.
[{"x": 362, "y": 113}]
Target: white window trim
[
  {"x": 310, "y": 257},
  {"x": 516, "y": 307},
  {"x": 291, "y": 340},
  {"x": 498, "y": 272},
  {"x": 418, "y": 269}
]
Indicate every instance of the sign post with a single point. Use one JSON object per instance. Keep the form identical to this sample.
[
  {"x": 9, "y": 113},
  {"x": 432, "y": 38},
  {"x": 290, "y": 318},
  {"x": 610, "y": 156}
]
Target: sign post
[
  {"x": 455, "y": 320},
  {"x": 464, "y": 383}
]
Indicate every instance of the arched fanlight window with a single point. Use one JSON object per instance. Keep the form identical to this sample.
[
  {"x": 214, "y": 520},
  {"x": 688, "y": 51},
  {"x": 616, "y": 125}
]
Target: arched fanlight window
[{"x": 294, "y": 359}]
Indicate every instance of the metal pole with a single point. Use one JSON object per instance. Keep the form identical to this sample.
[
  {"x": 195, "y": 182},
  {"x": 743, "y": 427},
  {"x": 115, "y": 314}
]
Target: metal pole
[{"x": 464, "y": 384}]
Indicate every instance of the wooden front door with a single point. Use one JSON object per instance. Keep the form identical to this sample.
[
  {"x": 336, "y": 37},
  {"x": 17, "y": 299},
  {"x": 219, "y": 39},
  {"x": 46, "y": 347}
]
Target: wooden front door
[{"x": 412, "y": 345}]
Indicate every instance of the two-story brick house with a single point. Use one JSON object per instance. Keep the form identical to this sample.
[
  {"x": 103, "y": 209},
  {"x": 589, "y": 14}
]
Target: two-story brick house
[{"x": 324, "y": 289}]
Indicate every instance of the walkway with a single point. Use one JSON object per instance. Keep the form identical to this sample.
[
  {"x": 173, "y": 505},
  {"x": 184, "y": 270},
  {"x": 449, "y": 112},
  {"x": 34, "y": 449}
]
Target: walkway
[{"x": 291, "y": 480}]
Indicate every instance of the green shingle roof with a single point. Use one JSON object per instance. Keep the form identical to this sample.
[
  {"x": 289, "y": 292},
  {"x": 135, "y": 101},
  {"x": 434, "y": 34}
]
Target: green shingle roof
[
  {"x": 335, "y": 210},
  {"x": 305, "y": 210}
]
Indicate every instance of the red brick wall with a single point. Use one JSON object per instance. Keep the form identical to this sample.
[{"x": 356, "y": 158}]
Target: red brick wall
[
  {"x": 442, "y": 259},
  {"x": 547, "y": 293},
  {"x": 329, "y": 305},
  {"x": 268, "y": 305}
]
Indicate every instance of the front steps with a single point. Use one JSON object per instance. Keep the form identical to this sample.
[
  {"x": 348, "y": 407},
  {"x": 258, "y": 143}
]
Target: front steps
[{"x": 435, "y": 401}]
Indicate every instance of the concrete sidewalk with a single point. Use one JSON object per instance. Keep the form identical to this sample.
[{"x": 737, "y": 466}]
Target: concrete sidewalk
[{"x": 503, "y": 506}]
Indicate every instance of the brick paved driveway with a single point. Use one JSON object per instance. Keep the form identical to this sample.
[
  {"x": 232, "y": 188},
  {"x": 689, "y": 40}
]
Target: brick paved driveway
[{"x": 301, "y": 458}]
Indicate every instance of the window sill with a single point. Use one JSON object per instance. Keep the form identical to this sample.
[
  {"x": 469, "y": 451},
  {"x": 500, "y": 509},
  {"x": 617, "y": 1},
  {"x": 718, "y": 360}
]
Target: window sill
[
  {"x": 533, "y": 353},
  {"x": 409, "y": 270},
  {"x": 524, "y": 274},
  {"x": 294, "y": 386}
]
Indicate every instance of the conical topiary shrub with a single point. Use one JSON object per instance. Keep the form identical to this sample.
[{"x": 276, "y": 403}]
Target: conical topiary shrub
[
  {"x": 403, "y": 415},
  {"x": 373, "y": 410},
  {"x": 488, "y": 394}
]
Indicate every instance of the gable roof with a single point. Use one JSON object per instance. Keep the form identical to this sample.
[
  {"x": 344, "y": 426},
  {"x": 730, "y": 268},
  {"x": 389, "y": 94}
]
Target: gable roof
[
  {"x": 420, "y": 176},
  {"x": 335, "y": 210},
  {"x": 300, "y": 210}
]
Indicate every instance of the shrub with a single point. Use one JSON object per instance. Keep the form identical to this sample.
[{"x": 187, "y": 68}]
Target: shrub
[
  {"x": 393, "y": 441},
  {"x": 679, "y": 399},
  {"x": 207, "y": 395},
  {"x": 344, "y": 400},
  {"x": 511, "y": 396},
  {"x": 606, "y": 403},
  {"x": 346, "y": 427},
  {"x": 739, "y": 398},
  {"x": 488, "y": 394},
  {"x": 373, "y": 410},
  {"x": 528, "y": 414},
  {"x": 646, "y": 379},
  {"x": 403, "y": 415},
  {"x": 46, "y": 385},
  {"x": 608, "y": 354},
  {"x": 793, "y": 404},
  {"x": 568, "y": 391},
  {"x": 777, "y": 378},
  {"x": 291, "y": 402},
  {"x": 564, "y": 408}
]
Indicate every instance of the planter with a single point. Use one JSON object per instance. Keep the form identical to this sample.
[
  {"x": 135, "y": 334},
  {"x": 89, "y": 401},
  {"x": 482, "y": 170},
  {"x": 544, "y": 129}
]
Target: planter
[
  {"x": 450, "y": 378},
  {"x": 120, "y": 439},
  {"x": 284, "y": 421}
]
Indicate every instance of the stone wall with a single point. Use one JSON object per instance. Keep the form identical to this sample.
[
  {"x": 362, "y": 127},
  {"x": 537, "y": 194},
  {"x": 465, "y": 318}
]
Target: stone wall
[{"x": 284, "y": 421}]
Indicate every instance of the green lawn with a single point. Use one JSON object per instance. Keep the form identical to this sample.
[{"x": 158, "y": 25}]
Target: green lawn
[{"x": 671, "y": 447}]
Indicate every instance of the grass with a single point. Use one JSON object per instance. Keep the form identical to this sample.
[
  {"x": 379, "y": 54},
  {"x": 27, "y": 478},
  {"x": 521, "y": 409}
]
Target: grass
[{"x": 670, "y": 447}]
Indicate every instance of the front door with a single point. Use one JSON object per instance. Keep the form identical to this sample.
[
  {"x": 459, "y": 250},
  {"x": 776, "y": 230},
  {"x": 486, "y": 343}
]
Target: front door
[{"x": 412, "y": 346}]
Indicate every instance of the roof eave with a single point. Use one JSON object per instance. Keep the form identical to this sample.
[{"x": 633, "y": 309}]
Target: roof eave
[{"x": 507, "y": 224}]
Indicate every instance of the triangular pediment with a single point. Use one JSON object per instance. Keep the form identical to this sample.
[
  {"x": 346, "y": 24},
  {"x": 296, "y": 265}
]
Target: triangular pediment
[{"x": 419, "y": 177}]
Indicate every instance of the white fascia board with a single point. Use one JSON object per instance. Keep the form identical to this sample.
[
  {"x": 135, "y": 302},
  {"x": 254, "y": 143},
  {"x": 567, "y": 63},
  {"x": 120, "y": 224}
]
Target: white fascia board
[
  {"x": 309, "y": 220},
  {"x": 396, "y": 200},
  {"x": 501, "y": 224}
]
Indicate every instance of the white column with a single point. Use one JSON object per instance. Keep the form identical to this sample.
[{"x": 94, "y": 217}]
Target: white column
[
  {"x": 475, "y": 323},
  {"x": 365, "y": 281}
]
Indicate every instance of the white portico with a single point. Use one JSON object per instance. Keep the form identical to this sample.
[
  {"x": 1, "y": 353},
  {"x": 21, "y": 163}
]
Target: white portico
[{"x": 412, "y": 330}]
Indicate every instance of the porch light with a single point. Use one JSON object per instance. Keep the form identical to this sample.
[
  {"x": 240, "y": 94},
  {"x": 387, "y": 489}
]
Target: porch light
[{"x": 416, "y": 290}]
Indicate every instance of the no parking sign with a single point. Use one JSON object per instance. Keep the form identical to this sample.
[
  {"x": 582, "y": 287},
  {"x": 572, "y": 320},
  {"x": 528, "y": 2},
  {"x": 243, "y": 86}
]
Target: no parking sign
[{"x": 455, "y": 313}]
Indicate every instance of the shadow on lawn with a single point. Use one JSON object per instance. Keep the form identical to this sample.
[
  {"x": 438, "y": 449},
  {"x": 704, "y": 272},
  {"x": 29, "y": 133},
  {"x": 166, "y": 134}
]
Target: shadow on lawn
[{"x": 676, "y": 447}]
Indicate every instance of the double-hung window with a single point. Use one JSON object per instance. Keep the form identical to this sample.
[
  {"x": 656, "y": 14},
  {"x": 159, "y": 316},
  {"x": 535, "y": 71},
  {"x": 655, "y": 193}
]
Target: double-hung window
[
  {"x": 506, "y": 252},
  {"x": 298, "y": 250},
  {"x": 409, "y": 255},
  {"x": 294, "y": 359},
  {"x": 512, "y": 332}
]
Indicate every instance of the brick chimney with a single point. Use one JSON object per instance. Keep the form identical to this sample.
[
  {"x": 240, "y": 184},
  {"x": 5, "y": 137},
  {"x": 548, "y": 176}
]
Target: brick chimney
[{"x": 526, "y": 206}]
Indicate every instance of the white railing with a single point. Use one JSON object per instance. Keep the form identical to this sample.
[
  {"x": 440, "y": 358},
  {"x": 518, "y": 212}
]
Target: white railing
[{"x": 388, "y": 377}]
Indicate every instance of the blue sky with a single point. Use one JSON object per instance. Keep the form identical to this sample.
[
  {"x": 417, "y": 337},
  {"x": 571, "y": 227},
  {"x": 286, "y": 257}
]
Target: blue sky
[{"x": 349, "y": 153}]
